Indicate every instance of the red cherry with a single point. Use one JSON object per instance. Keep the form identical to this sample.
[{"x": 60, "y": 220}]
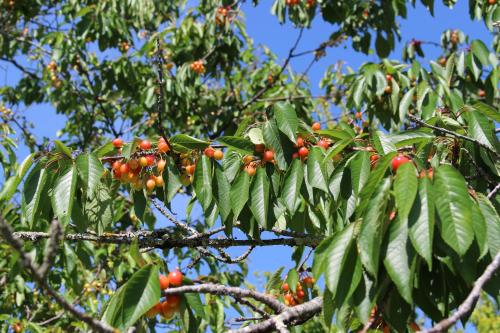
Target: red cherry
[
  {"x": 303, "y": 152},
  {"x": 300, "y": 142},
  {"x": 164, "y": 283},
  {"x": 173, "y": 301},
  {"x": 285, "y": 287},
  {"x": 163, "y": 146},
  {"x": 388, "y": 77},
  {"x": 259, "y": 148},
  {"x": 300, "y": 294},
  {"x": 145, "y": 145},
  {"x": 316, "y": 126},
  {"x": 295, "y": 155},
  {"x": 150, "y": 159},
  {"x": 323, "y": 143},
  {"x": 116, "y": 165},
  {"x": 398, "y": 161},
  {"x": 124, "y": 169},
  {"x": 209, "y": 152},
  {"x": 175, "y": 278},
  {"x": 117, "y": 143},
  {"x": 268, "y": 156}
]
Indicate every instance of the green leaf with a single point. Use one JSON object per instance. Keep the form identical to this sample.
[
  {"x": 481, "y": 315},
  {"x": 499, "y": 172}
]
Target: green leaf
[
  {"x": 398, "y": 258},
  {"x": 239, "y": 144},
  {"x": 411, "y": 137},
  {"x": 454, "y": 208},
  {"x": 90, "y": 170},
  {"x": 335, "y": 134},
  {"x": 421, "y": 220},
  {"x": 11, "y": 184},
  {"x": 292, "y": 279},
  {"x": 382, "y": 143},
  {"x": 405, "y": 189},
  {"x": 336, "y": 256},
  {"x": 139, "y": 204},
  {"x": 287, "y": 120},
  {"x": 223, "y": 189},
  {"x": 480, "y": 230},
  {"x": 405, "y": 104},
  {"x": 239, "y": 193},
  {"x": 61, "y": 147},
  {"x": 104, "y": 150},
  {"x": 259, "y": 197},
  {"x": 273, "y": 142},
  {"x": 370, "y": 235},
  {"x": 481, "y": 129},
  {"x": 203, "y": 181},
  {"x": 487, "y": 111},
  {"x": 337, "y": 148},
  {"x": 492, "y": 224},
  {"x": 139, "y": 294},
  {"x": 360, "y": 170},
  {"x": 187, "y": 142},
  {"x": 63, "y": 194},
  {"x": 33, "y": 189},
  {"x": 172, "y": 181},
  {"x": 292, "y": 184},
  {"x": 316, "y": 173},
  {"x": 255, "y": 135},
  {"x": 130, "y": 147},
  {"x": 480, "y": 51}
]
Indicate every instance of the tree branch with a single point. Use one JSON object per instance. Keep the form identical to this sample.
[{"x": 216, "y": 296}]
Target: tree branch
[
  {"x": 460, "y": 136},
  {"x": 219, "y": 289},
  {"x": 470, "y": 302},
  {"x": 290, "y": 317}
]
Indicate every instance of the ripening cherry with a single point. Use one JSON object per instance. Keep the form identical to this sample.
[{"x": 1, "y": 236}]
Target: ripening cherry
[
  {"x": 209, "y": 152},
  {"x": 166, "y": 311},
  {"x": 300, "y": 142},
  {"x": 398, "y": 161},
  {"x": 295, "y": 155},
  {"x": 481, "y": 93},
  {"x": 414, "y": 327},
  {"x": 163, "y": 147},
  {"x": 388, "y": 77},
  {"x": 303, "y": 152},
  {"x": 159, "y": 181},
  {"x": 301, "y": 294},
  {"x": 251, "y": 170},
  {"x": 190, "y": 169},
  {"x": 174, "y": 301},
  {"x": 268, "y": 156},
  {"x": 17, "y": 327},
  {"x": 316, "y": 126},
  {"x": 164, "y": 283},
  {"x": 492, "y": 2},
  {"x": 359, "y": 115},
  {"x": 309, "y": 281},
  {"x": 150, "y": 160},
  {"x": 288, "y": 299},
  {"x": 388, "y": 90},
  {"x": 218, "y": 155},
  {"x": 260, "y": 147},
  {"x": 117, "y": 143},
  {"x": 175, "y": 278},
  {"x": 133, "y": 164},
  {"x": 285, "y": 287},
  {"x": 131, "y": 177},
  {"x": 373, "y": 160},
  {"x": 247, "y": 159},
  {"x": 124, "y": 169},
  {"x": 150, "y": 184},
  {"x": 137, "y": 185},
  {"x": 161, "y": 165},
  {"x": 145, "y": 145},
  {"x": 154, "y": 311},
  {"x": 116, "y": 165},
  {"x": 117, "y": 174},
  {"x": 185, "y": 180},
  {"x": 323, "y": 143}
]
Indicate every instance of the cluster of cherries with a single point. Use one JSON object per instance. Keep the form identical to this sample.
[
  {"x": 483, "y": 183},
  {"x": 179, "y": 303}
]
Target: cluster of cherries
[
  {"x": 222, "y": 15},
  {"x": 291, "y": 298},
  {"x": 398, "y": 161},
  {"x": 170, "y": 305},
  {"x": 52, "y": 68},
  {"x": 309, "y": 3},
  {"x": 136, "y": 170},
  {"x": 302, "y": 144},
  {"x": 198, "y": 67}
]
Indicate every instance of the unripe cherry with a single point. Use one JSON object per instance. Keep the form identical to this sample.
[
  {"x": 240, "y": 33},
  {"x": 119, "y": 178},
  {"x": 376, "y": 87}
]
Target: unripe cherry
[
  {"x": 117, "y": 143},
  {"x": 145, "y": 145}
]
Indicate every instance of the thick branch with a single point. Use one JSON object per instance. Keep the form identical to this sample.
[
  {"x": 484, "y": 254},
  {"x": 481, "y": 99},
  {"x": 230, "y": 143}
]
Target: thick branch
[
  {"x": 290, "y": 317},
  {"x": 219, "y": 289},
  {"x": 470, "y": 302}
]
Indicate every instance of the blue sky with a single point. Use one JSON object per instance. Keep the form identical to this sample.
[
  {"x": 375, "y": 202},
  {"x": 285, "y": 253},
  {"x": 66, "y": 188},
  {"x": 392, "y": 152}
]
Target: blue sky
[{"x": 265, "y": 29}]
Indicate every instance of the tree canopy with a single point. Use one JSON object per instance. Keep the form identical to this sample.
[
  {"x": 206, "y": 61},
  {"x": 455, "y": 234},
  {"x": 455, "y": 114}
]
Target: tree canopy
[{"x": 390, "y": 204}]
